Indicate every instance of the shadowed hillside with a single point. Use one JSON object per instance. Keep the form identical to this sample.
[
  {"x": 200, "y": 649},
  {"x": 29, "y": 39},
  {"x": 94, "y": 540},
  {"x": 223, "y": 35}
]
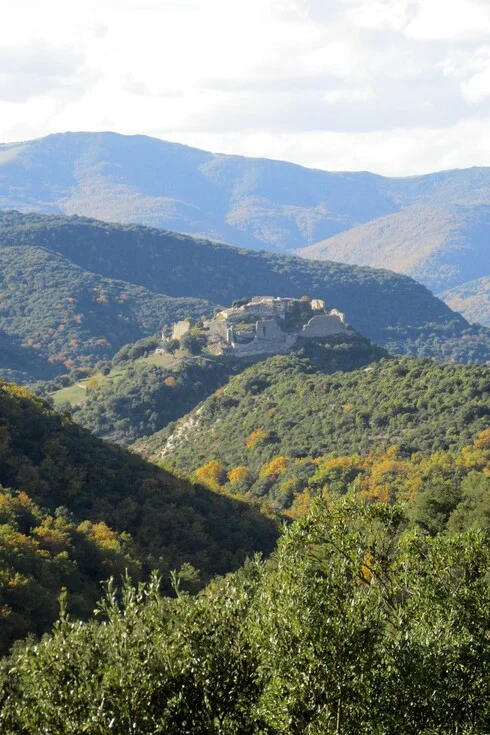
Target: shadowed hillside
[
  {"x": 60, "y": 464},
  {"x": 63, "y": 472},
  {"x": 55, "y": 315},
  {"x": 390, "y": 309}
]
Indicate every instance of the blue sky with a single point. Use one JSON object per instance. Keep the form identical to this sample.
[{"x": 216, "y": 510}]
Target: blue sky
[{"x": 393, "y": 86}]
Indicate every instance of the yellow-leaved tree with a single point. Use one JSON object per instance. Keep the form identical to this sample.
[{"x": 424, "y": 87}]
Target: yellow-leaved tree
[
  {"x": 275, "y": 467},
  {"x": 239, "y": 475},
  {"x": 212, "y": 475}
]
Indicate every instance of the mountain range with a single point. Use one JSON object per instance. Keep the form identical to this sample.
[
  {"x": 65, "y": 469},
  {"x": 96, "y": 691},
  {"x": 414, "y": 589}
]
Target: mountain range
[
  {"x": 368, "y": 605},
  {"x": 433, "y": 227}
]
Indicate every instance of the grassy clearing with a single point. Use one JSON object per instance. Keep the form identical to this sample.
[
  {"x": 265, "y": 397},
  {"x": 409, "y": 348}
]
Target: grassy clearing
[
  {"x": 164, "y": 360},
  {"x": 74, "y": 394}
]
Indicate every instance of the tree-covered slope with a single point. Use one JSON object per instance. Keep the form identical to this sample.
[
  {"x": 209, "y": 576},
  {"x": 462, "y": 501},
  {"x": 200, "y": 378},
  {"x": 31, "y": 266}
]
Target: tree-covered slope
[
  {"x": 137, "y": 397},
  {"x": 57, "y": 463},
  {"x": 19, "y": 363},
  {"x": 55, "y": 314},
  {"x": 442, "y": 247},
  {"x": 45, "y": 554},
  {"x": 284, "y": 407},
  {"x": 390, "y": 309},
  {"x": 355, "y": 625},
  {"x": 471, "y": 299}
]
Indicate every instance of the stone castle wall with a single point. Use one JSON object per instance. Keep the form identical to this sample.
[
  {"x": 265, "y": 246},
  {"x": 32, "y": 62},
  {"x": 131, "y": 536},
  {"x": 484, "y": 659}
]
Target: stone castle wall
[
  {"x": 323, "y": 325},
  {"x": 267, "y": 335},
  {"x": 180, "y": 328}
]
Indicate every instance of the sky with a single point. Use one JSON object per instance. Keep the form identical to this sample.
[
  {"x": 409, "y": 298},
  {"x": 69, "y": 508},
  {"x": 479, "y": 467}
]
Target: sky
[{"x": 398, "y": 87}]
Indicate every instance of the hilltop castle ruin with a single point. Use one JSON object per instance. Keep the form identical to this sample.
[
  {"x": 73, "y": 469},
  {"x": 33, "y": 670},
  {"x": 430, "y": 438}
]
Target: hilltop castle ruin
[{"x": 265, "y": 325}]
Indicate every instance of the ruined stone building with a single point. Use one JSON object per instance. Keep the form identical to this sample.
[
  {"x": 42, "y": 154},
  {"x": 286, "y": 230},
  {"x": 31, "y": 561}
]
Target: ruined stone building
[{"x": 267, "y": 325}]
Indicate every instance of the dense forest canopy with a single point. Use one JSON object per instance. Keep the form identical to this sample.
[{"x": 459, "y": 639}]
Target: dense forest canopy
[
  {"x": 44, "y": 553},
  {"x": 284, "y": 406},
  {"x": 357, "y": 624},
  {"x": 444, "y": 490}
]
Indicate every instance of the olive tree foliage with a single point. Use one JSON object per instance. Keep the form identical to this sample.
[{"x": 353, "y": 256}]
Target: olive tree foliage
[
  {"x": 354, "y": 625},
  {"x": 151, "y": 665},
  {"x": 369, "y": 628}
]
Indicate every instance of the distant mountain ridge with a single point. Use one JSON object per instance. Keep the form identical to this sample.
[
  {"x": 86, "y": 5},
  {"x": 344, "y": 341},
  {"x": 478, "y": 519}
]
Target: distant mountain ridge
[
  {"x": 251, "y": 202},
  {"x": 441, "y": 246},
  {"x": 256, "y": 203},
  {"x": 471, "y": 299},
  {"x": 433, "y": 227},
  {"x": 444, "y": 247}
]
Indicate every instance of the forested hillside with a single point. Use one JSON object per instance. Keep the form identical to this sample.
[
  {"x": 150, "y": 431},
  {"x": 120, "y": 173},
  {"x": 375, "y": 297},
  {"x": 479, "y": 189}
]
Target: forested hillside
[
  {"x": 45, "y": 552},
  {"x": 390, "y": 309},
  {"x": 69, "y": 489},
  {"x": 284, "y": 408},
  {"x": 18, "y": 363},
  {"x": 137, "y": 394},
  {"x": 472, "y": 299},
  {"x": 57, "y": 315},
  {"x": 356, "y": 625},
  {"x": 442, "y": 247}
]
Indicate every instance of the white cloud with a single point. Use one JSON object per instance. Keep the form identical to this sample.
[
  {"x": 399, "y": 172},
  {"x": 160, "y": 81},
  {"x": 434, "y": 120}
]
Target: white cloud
[
  {"x": 389, "y": 85},
  {"x": 393, "y": 15},
  {"x": 477, "y": 88},
  {"x": 450, "y": 20},
  {"x": 40, "y": 68},
  {"x": 342, "y": 95}
]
